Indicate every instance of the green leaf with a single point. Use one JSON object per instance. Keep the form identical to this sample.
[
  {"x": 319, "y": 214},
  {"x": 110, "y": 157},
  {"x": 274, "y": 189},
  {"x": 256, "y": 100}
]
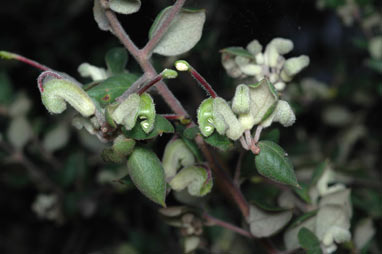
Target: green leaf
[
  {"x": 375, "y": 64},
  {"x": 219, "y": 141},
  {"x": 125, "y": 6},
  {"x": 5, "y": 89},
  {"x": 272, "y": 162},
  {"x": 303, "y": 192},
  {"x": 161, "y": 125},
  {"x": 317, "y": 173},
  {"x": 74, "y": 168},
  {"x": 183, "y": 34},
  {"x": 108, "y": 90},
  {"x": 266, "y": 206},
  {"x": 309, "y": 241},
  {"x": 191, "y": 132},
  {"x": 147, "y": 173},
  {"x": 303, "y": 218},
  {"x": 116, "y": 60},
  {"x": 334, "y": 3},
  {"x": 269, "y": 111},
  {"x": 237, "y": 51},
  {"x": 271, "y": 135},
  {"x": 194, "y": 148}
]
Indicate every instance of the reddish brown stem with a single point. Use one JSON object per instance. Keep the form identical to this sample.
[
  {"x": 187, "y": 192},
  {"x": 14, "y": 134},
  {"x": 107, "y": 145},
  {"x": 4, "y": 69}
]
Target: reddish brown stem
[
  {"x": 152, "y": 82},
  {"x": 172, "y": 116},
  {"x": 214, "y": 221},
  {"x": 42, "y": 76},
  {"x": 203, "y": 82},
  {"x": 30, "y": 62},
  {"x": 224, "y": 181}
]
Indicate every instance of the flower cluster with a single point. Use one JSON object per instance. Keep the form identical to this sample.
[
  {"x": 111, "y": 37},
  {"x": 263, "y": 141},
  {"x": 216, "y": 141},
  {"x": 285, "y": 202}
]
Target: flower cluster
[
  {"x": 255, "y": 104},
  {"x": 259, "y": 64},
  {"x": 195, "y": 178}
]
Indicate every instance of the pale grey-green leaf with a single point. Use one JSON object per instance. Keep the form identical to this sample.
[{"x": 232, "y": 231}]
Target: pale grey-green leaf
[
  {"x": 290, "y": 235},
  {"x": 56, "y": 138},
  {"x": 100, "y": 17},
  {"x": 264, "y": 224},
  {"x": 125, "y": 6},
  {"x": 19, "y": 132},
  {"x": 183, "y": 34}
]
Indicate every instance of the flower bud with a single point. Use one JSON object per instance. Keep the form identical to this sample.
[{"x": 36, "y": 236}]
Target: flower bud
[
  {"x": 94, "y": 72},
  {"x": 283, "y": 114},
  {"x": 294, "y": 65},
  {"x": 241, "y": 99},
  {"x": 57, "y": 92},
  {"x": 254, "y": 47},
  {"x": 283, "y": 46},
  {"x": 123, "y": 145},
  {"x": 195, "y": 179},
  {"x": 147, "y": 112},
  {"x": 175, "y": 156},
  {"x": 205, "y": 119},
  {"x": 182, "y": 65},
  {"x": 251, "y": 69},
  {"x": 263, "y": 97},
  {"x": 225, "y": 120},
  {"x": 127, "y": 112},
  {"x": 271, "y": 56}
]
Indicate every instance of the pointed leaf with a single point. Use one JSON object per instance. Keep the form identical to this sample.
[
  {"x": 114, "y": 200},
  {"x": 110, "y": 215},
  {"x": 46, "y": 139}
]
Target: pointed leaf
[
  {"x": 309, "y": 241},
  {"x": 108, "y": 90},
  {"x": 183, "y": 34},
  {"x": 161, "y": 125},
  {"x": 219, "y": 141},
  {"x": 116, "y": 60},
  {"x": 191, "y": 132},
  {"x": 237, "y": 51},
  {"x": 125, "y": 6},
  {"x": 146, "y": 171},
  {"x": 272, "y": 162},
  {"x": 264, "y": 224}
]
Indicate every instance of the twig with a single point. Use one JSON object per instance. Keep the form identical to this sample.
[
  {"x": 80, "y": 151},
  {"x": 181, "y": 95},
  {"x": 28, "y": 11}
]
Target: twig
[
  {"x": 123, "y": 36},
  {"x": 223, "y": 180},
  {"x": 182, "y": 65},
  {"x": 236, "y": 178},
  {"x": 163, "y": 28},
  {"x": 133, "y": 88},
  {"x": 9, "y": 55},
  {"x": 211, "y": 221}
]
